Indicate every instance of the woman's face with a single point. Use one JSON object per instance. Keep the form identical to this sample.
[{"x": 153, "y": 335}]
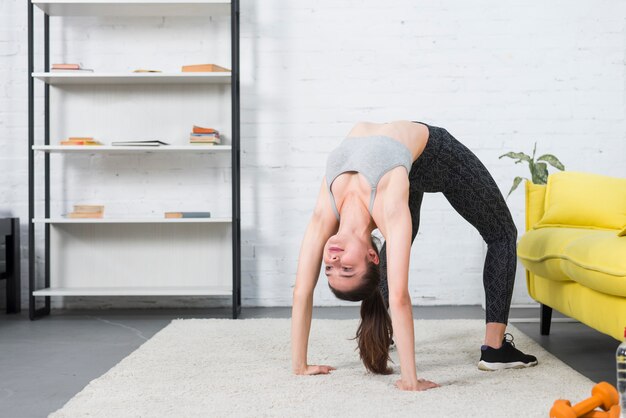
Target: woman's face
[{"x": 345, "y": 259}]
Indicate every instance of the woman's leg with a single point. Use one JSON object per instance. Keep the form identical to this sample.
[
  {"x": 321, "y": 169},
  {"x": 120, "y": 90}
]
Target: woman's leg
[
  {"x": 474, "y": 194},
  {"x": 471, "y": 190},
  {"x": 448, "y": 166}
]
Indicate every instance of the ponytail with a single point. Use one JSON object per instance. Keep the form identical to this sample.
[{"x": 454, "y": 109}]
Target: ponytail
[{"x": 374, "y": 334}]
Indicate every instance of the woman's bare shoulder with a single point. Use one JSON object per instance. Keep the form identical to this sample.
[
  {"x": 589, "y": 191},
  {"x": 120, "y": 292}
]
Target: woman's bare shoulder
[{"x": 364, "y": 128}]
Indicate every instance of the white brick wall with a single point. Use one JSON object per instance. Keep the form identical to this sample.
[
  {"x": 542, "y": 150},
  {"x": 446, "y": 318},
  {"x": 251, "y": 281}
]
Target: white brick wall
[{"x": 498, "y": 75}]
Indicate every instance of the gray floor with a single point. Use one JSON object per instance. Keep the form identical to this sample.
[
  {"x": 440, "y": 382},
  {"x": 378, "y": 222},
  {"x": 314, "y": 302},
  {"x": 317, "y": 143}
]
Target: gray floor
[{"x": 44, "y": 363}]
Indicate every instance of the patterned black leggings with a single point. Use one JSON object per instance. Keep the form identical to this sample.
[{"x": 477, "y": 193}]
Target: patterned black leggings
[{"x": 449, "y": 167}]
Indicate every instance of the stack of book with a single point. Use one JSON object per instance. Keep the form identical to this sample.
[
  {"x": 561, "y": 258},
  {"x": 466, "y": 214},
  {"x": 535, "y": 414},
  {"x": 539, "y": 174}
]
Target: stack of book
[
  {"x": 69, "y": 68},
  {"x": 80, "y": 140},
  {"x": 204, "y": 136},
  {"x": 87, "y": 211}
]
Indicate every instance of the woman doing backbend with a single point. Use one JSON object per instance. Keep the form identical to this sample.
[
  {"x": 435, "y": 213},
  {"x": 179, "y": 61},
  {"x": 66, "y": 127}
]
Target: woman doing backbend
[{"x": 376, "y": 178}]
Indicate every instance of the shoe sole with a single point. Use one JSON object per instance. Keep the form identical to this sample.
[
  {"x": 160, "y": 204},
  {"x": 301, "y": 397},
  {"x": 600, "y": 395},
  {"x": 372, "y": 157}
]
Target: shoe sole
[{"x": 492, "y": 367}]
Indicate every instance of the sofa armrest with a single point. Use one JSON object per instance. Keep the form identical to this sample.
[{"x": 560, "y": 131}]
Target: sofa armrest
[{"x": 535, "y": 203}]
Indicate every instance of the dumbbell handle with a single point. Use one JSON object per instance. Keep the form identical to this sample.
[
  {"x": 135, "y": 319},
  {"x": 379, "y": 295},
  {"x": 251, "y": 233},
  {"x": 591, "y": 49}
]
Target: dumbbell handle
[{"x": 589, "y": 404}]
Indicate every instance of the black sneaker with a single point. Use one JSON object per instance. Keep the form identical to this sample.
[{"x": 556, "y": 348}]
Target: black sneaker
[{"x": 505, "y": 357}]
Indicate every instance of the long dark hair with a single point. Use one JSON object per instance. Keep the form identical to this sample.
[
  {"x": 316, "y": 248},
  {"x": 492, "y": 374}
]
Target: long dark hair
[{"x": 375, "y": 331}]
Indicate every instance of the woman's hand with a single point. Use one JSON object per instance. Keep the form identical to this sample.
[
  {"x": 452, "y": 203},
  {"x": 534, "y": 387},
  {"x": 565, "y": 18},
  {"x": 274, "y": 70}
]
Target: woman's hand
[
  {"x": 312, "y": 369},
  {"x": 421, "y": 384}
]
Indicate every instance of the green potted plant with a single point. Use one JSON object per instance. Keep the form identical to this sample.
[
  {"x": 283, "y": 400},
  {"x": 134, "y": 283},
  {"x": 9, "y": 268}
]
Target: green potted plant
[{"x": 538, "y": 168}]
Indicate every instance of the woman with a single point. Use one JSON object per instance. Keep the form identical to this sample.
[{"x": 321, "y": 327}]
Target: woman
[{"x": 366, "y": 187}]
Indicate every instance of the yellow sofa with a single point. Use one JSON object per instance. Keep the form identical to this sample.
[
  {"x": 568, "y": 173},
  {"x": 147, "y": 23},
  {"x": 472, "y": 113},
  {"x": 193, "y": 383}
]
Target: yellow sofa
[{"x": 574, "y": 249}]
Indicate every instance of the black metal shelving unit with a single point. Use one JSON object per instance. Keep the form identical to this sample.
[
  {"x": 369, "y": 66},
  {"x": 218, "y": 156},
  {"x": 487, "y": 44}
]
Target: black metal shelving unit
[{"x": 35, "y": 312}]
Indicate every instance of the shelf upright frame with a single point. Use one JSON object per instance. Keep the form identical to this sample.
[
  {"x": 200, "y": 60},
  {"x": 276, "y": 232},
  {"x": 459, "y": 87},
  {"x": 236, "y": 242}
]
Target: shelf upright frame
[
  {"x": 33, "y": 312},
  {"x": 46, "y": 157},
  {"x": 31, "y": 212},
  {"x": 236, "y": 217}
]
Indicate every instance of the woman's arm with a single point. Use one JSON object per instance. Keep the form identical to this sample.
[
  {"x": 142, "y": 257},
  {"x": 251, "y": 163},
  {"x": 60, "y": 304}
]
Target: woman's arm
[
  {"x": 398, "y": 241},
  {"x": 398, "y": 228},
  {"x": 322, "y": 225}
]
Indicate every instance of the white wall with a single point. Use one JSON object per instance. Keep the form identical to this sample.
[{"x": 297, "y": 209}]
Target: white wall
[{"x": 498, "y": 75}]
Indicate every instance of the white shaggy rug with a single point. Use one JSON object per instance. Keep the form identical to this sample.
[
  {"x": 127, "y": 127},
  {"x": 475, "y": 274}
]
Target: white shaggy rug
[{"x": 242, "y": 368}]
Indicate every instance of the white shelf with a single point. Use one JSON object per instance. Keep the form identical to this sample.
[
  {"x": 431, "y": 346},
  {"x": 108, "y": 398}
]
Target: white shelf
[
  {"x": 142, "y": 253},
  {"x": 90, "y": 149},
  {"x": 129, "y": 220},
  {"x": 133, "y": 7},
  {"x": 135, "y": 291},
  {"x": 63, "y": 78}
]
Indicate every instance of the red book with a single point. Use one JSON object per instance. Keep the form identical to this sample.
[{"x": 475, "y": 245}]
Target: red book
[{"x": 201, "y": 130}]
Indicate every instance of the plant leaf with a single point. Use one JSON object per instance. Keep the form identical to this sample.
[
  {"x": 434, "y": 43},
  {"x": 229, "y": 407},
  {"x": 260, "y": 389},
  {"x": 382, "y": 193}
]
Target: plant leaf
[
  {"x": 533, "y": 172},
  {"x": 520, "y": 156},
  {"x": 552, "y": 160},
  {"x": 534, "y": 149},
  {"x": 516, "y": 182},
  {"x": 542, "y": 173}
]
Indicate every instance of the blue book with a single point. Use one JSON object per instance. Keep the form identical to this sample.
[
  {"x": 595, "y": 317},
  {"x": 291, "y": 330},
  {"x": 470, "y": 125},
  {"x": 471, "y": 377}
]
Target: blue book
[{"x": 187, "y": 214}]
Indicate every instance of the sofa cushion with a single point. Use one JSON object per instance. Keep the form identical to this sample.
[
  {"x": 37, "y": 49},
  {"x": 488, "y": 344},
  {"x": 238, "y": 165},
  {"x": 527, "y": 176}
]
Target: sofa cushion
[
  {"x": 535, "y": 203},
  {"x": 541, "y": 250},
  {"x": 598, "y": 261},
  {"x": 584, "y": 200}
]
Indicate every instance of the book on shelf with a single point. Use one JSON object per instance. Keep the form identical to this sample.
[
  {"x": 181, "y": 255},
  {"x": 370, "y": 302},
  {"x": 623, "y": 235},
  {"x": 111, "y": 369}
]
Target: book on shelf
[
  {"x": 78, "y": 215},
  {"x": 82, "y": 70},
  {"x": 187, "y": 214},
  {"x": 201, "y": 130},
  {"x": 89, "y": 208},
  {"x": 153, "y": 143},
  {"x": 80, "y": 140},
  {"x": 193, "y": 135},
  {"x": 69, "y": 68},
  {"x": 203, "y": 139},
  {"x": 66, "y": 66},
  {"x": 203, "y": 68},
  {"x": 87, "y": 212}
]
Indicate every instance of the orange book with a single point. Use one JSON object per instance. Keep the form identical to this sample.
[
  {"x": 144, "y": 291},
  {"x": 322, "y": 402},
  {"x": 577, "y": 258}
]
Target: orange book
[
  {"x": 66, "y": 66},
  {"x": 80, "y": 143},
  {"x": 80, "y": 138},
  {"x": 202, "y": 68},
  {"x": 85, "y": 215},
  {"x": 201, "y": 130}
]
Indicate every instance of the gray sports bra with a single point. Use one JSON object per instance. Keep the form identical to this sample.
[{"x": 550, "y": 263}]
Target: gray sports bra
[{"x": 372, "y": 156}]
